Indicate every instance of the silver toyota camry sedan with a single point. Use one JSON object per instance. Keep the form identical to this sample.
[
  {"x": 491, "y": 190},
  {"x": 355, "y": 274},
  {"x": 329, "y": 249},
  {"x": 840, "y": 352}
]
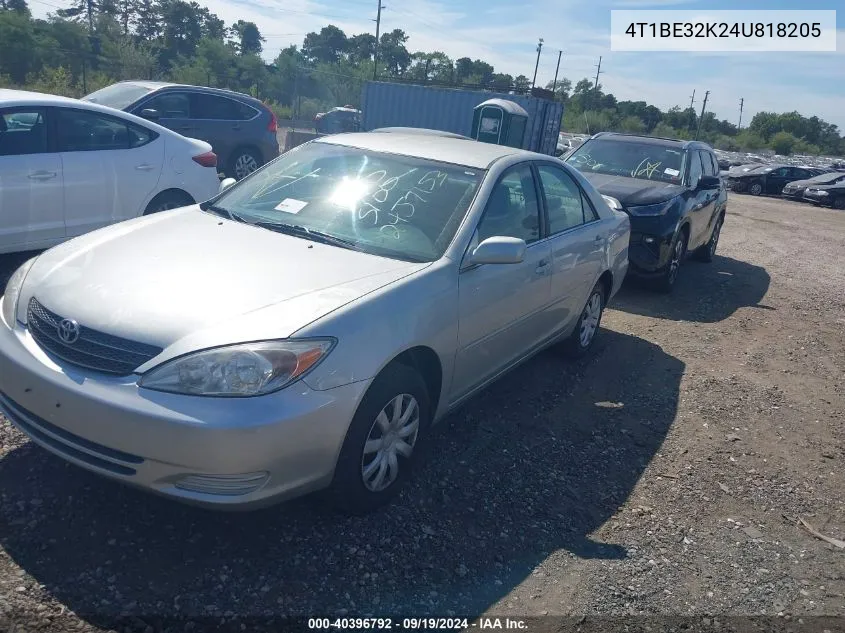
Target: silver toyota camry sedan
[{"x": 305, "y": 328}]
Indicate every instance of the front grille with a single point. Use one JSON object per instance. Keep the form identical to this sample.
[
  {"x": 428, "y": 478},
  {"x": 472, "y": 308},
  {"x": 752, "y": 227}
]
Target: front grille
[{"x": 92, "y": 350}]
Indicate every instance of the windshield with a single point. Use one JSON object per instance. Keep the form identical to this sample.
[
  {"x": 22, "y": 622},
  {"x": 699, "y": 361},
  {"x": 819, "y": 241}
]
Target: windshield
[
  {"x": 117, "y": 96},
  {"x": 385, "y": 204},
  {"x": 646, "y": 161}
]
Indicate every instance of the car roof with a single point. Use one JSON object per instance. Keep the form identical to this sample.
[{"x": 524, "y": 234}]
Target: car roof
[
  {"x": 159, "y": 85},
  {"x": 457, "y": 151},
  {"x": 654, "y": 140}
]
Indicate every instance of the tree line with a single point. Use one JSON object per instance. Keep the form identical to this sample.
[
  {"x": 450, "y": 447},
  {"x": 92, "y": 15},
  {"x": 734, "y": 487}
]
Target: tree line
[{"x": 93, "y": 43}]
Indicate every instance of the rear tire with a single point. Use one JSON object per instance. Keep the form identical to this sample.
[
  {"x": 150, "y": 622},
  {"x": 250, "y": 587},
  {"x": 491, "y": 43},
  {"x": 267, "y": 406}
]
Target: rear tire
[
  {"x": 167, "y": 200},
  {"x": 243, "y": 162},
  {"x": 708, "y": 250},
  {"x": 375, "y": 436},
  {"x": 755, "y": 188},
  {"x": 666, "y": 282},
  {"x": 584, "y": 334}
]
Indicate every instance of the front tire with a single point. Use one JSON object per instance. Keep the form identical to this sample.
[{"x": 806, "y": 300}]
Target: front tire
[
  {"x": 666, "y": 282},
  {"x": 839, "y": 203},
  {"x": 584, "y": 334},
  {"x": 383, "y": 441}
]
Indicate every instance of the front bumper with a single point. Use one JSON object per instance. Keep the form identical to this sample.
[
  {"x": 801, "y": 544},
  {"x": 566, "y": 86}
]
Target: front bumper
[
  {"x": 816, "y": 198},
  {"x": 236, "y": 453},
  {"x": 793, "y": 194},
  {"x": 649, "y": 252}
]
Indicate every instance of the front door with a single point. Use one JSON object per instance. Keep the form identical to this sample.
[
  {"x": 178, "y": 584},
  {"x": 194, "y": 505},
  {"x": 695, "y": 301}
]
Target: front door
[
  {"x": 503, "y": 307},
  {"x": 31, "y": 203}
]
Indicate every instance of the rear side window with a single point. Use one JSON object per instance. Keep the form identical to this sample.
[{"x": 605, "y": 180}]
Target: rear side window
[
  {"x": 565, "y": 203},
  {"x": 220, "y": 108},
  {"x": 83, "y": 131},
  {"x": 22, "y": 131}
]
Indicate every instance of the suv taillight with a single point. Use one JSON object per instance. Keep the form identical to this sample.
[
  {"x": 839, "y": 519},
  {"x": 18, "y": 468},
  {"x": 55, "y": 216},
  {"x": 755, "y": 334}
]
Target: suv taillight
[
  {"x": 273, "y": 125},
  {"x": 208, "y": 159}
]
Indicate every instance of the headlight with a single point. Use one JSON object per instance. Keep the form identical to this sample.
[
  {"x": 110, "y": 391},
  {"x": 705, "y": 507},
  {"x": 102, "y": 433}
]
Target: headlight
[
  {"x": 613, "y": 203},
  {"x": 13, "y": 289},
  {"x": 249, "y": 369},
  {"x": 651, "y": 209},
  {"x": 821, "y": 193}
]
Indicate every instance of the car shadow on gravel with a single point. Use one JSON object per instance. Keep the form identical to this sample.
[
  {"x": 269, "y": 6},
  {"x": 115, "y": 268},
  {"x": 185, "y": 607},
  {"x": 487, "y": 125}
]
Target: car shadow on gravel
[
  {"x": 521, "y": 475},
  {"x": 705, "y": 293}
]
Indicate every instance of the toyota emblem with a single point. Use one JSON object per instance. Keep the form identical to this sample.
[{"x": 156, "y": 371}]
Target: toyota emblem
[{"x": 68, "y": 331}]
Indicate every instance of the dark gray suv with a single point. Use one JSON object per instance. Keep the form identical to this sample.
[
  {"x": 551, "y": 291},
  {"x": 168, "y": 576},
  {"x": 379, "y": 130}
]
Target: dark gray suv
[{"x": 241, "y": 129}]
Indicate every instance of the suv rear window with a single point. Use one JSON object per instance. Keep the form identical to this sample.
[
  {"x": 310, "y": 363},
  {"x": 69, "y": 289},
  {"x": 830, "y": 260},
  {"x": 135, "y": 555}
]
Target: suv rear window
[{"x": 220, "y": 108}]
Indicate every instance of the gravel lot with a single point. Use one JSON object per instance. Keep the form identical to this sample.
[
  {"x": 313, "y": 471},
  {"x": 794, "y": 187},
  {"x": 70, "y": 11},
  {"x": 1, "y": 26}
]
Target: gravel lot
[{"x": 664, "y": 475}]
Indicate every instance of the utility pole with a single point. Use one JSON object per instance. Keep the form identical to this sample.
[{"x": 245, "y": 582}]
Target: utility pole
[
  {"x": 692, "y": 111},
  {"x": 741, "y": 103},
  {"x": 557, "y": 70},
  {"x": 701, "y": 118},
  {"x": 90, "y": 5},
  {"x": 378, "y": 27},
  {"x": 537, "y": 65},
  {"x": 596, "y": 85}
]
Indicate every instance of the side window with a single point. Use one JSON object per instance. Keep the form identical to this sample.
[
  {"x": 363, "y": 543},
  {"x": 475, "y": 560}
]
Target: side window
[
  {"x": 715, "y": 162},
  {"x": 243, "y": 112},
  {"x": 512, "y": 210},
  {"x": 783, "y": 172},
  {"x": 218, "y": 108},
  {"x": 706, "y": 163},
  {"x": 84, "y": 131},
  {"x": 565, "y": 203},
  {"x": 695, "y": 172},
  {"x": 139, "y": 136},
  {"x": 170, "y": 105},
  {"x": 22, "y": 131}
]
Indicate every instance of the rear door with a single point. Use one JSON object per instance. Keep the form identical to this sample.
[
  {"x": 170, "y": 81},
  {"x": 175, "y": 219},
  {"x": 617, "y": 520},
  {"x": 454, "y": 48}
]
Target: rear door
[
  {"x": 577, "y": 241},
  {"x": 112, "y": 168},
  {"x": 222, "y": 122},
  {"x": 31, "y": 202}
]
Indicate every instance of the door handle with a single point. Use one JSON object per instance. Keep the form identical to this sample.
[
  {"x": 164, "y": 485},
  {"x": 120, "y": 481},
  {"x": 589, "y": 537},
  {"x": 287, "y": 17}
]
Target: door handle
[
  {"x": 599, "y": 239},
  {"x": 42, "y": 175},
  {"x": 542, "y": 265},
  {"x": 145, "y": 167}
]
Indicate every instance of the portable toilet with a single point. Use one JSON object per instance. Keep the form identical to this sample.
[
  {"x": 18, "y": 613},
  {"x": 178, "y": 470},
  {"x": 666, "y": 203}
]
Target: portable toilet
[{"x": 500, "y": 122}]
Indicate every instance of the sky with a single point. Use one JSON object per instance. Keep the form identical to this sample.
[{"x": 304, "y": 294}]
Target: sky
[{"x": 504, "y": 33}]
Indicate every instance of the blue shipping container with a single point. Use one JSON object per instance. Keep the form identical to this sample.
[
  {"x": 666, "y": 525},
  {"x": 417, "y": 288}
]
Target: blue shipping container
[{"x": 450, "y": 109}]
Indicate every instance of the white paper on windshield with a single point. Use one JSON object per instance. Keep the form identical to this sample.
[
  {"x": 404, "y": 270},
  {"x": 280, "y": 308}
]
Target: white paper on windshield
[
  {"x": 291, "y": 205},
  {"x": 671, "y": 172}
]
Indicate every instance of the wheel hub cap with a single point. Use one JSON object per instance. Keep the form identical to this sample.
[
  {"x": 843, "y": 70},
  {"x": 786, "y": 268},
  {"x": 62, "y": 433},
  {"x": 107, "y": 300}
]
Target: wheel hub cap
[
  {"x": 392, "y": 436},
  {"x": 590, "y": 319}
]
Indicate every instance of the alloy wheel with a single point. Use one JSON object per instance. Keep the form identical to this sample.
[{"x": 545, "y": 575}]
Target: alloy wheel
[
  {"x": 590, "y": 319},
  {"x": 675, "y": 262},
  {"x": 392, "y": 435},
  {"x": 245, "y": 165},
  {"x": 756, "y": 189}
]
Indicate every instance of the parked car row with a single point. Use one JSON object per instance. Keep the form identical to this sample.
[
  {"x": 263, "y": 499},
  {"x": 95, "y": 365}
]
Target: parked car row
[
  {"x": 810, "y": 184},
  {"x": 361, "y": 287}
]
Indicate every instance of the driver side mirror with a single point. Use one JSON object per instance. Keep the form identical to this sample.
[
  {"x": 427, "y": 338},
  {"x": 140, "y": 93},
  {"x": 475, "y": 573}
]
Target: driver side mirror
[
  {"x": 499, "y": 250},
  {"x": 709, "y": 182},
  {"x": 226, "y": 183},
  {"x": 150, "y": 113}
]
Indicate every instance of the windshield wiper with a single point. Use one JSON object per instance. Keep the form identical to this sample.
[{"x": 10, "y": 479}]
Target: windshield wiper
[
  {"x": 224, "y": 212},
  {"x": 310, "y": 234}
]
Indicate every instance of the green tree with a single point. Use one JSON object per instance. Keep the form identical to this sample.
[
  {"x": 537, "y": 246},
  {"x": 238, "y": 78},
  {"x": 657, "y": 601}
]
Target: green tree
[
  {"x": 19, "y": 6},
  {"x": 17, "y": 42},
  {"x": 394, "y": 57},
  {"x": 783, "y": 143},
  {"x": 632, "y": 125},
  {"x": 249, "y": 40},
  {"x": 563, "y": 88},
  {"x": 327, "y": 46}
]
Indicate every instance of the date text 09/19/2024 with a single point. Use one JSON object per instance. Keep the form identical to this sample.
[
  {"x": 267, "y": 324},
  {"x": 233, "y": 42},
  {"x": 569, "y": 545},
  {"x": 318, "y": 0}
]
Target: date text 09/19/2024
[{"x": 409, "y": 624}]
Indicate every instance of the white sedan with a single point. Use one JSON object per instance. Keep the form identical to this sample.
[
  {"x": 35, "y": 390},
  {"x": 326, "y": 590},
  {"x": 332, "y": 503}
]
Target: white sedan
[{"x": 68, "y": 167}]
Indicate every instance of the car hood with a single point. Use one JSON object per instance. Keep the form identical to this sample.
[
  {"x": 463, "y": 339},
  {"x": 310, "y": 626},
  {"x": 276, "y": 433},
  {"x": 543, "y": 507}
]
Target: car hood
[
  {"x": 634, "y": 191},
  {"x": 160, "y": 278},
  {"x": 837, "y": 186},
  {"x": 798, "y": 184}
]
